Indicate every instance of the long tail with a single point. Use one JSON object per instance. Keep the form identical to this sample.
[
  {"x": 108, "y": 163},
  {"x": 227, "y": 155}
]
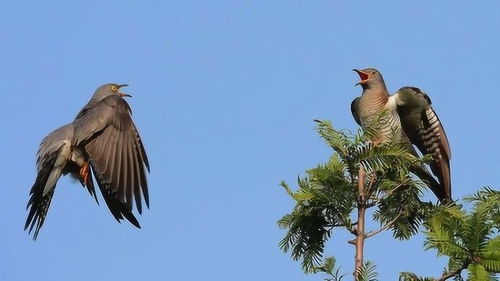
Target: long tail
[
  {"x": 438, "y": 189},
  {"x": 441, "y": 168},
  {"x": 442, "y": 188},
  {"x": 39, "y": 202}
]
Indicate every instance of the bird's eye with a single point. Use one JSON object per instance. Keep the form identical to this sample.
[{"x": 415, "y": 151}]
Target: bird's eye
[
  {"x": 373, "y": 72},
  {"x": 114, "y": 88}
]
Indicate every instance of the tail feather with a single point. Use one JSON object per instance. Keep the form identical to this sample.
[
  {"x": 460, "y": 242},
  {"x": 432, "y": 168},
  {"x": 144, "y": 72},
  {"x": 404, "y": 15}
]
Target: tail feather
[
  {"x": 437, "y": 188},
  {"x": 441, "y": 169},
  {"x": 39, "y": 202}
]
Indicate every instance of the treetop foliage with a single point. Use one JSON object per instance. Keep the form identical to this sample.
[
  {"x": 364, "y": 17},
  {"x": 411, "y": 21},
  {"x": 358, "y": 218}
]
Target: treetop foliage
[{"x": 328, "y": 196}]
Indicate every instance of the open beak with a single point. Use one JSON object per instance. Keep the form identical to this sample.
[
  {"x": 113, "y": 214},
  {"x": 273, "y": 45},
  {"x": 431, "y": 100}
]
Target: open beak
[
  {"x": 123, "y": 94},
  {"x": 363, "y": 76}
]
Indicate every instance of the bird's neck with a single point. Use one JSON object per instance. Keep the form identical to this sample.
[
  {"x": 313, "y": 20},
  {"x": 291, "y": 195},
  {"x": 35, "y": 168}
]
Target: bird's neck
[{"x": 375, "y": 97}]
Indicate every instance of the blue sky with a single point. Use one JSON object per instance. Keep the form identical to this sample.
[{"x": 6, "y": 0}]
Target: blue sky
[{"x": 224, "y": 94}]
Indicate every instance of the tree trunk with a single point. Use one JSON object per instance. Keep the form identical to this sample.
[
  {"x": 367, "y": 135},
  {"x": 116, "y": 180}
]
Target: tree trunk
[{"x": 360, "y": 229}]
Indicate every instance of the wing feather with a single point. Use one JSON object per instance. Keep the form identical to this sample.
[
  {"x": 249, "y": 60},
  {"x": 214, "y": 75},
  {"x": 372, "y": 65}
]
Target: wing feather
[
  {"x": 127, "y": 188},
  {"x": 435, "y": 142},
  {"x": 117, "y": 179},
  {"x": 116, "y": 154},
  {"x": 424, "y": 129},
  {"x": 355, "y": 110},
  {"x": 135, "y": 178},
  {"x": 141, "y": 157}
]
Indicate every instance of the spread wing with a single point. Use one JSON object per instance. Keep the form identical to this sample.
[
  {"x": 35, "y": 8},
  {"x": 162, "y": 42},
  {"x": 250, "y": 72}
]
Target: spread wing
[
  {"x": 424, "y": 129},
  {"x": 116, "y": 154}
]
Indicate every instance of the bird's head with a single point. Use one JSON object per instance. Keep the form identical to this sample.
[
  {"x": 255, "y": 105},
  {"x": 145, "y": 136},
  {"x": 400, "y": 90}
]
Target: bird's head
[
  {"x": 370, "y": 77},
  {"x": 109, "y": 90}
]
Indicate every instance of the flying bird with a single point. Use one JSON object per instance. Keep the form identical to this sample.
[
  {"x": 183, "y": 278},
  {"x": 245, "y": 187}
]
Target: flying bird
[
  {"x": 102, "y": 141},
  {"x": 56, "y": 156},
  {"x": 410, "y": 112}
]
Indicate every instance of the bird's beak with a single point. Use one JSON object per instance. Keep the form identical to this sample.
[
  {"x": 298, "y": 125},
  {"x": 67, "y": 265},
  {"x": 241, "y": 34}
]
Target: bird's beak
[
  {"x": 123, "y": 94},
  {"x": 363, "y": 76}
]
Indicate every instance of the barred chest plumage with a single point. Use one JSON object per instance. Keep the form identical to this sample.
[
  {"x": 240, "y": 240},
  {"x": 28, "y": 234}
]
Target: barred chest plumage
[{"x": 381, "y": 113}]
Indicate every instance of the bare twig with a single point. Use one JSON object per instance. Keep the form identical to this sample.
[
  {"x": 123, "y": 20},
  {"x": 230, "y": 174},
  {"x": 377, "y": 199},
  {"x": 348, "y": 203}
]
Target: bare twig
[
  {"x": 389, "y": 224},
  {"x": 396, "y": 188},
  {"x": 369, "y": 189}
]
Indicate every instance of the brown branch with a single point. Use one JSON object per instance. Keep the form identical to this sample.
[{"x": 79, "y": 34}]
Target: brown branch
[
  {"x": 369, "y": 189},
  {"x": 389, "y": 224},
  {"x": 396, "y": 188},
  {"x": 374, "y": 200},
  {"x": 453, "y": 273},
  {"x": 360, "y": 228}
]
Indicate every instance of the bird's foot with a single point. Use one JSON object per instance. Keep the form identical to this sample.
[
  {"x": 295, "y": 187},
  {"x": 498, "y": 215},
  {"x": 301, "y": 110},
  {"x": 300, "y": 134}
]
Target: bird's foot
[
  {"x": 376, "y": 142},
  {"x": 84, "y": 173}
]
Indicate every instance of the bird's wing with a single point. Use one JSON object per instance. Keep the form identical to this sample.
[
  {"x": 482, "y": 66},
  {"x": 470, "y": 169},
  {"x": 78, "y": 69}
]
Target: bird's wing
[
  {"x": 53, "y": 155},
  {"x": 355, "y": 110},
  {"x": 424, "y": 129},
  {"x": 116, "y": 154}
]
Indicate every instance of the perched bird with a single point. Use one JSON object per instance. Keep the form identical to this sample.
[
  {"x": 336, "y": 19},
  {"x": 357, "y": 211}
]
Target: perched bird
[
  {"x": 410, "y": 112},
  {"x": 103, "y": 141}
]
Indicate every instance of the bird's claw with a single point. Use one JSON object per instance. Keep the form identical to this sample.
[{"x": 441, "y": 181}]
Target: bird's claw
[{"x": 84, "y": 173}]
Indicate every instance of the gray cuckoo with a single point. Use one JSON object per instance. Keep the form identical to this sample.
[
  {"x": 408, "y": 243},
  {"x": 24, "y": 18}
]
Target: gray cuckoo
[
  {"x": 102, "y": 141},
  {"x": 409, "y": 111}
]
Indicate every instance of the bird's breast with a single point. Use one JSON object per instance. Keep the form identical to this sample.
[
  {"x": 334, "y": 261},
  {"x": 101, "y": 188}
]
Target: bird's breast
[{"x": 383, "y": 117}]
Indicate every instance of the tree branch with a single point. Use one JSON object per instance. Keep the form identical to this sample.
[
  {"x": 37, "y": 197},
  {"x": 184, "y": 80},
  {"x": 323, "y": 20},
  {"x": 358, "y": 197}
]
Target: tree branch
[
  {"x": 375, "y": 200},
  {"x": 396, "y": 188},
  {"x": 360, "y": 227},
  {"x": 370, "y": 189},
  {"x": 389, "y": 224},
  {"x": 453, "y": 273}
]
